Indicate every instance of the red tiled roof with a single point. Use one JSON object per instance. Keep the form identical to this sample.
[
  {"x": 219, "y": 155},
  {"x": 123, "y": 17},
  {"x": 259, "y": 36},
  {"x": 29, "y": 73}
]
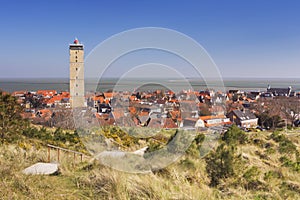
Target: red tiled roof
[
  {"x": 144, "y": 113},
  {"x": 132, "y": 98},
  {"x": 173, "y": 100},
  {"x": 46, "y": 92},
  {"x": 98, "y": 98},
  {"x": 132, "y": 110},
  {"x": 212, "y": 117},
  {"x": 45, "y": 113},
  {"x": 170, "y": 92},
  {"x": 118, "y": 113},
  {"x": 21, "y": 92},
  {"x": 169, "y": 123},
  {"x": 65, "y": 94},
  {"x": 148, "y": 96},
  {"x": 175, "y": 114},
  {"x": 108, "y": 95}
]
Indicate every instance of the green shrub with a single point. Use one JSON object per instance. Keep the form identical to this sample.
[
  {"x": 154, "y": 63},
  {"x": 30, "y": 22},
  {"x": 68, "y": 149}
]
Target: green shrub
[
  {"x": 194, "y": 148},
  {"x": 153, "y": 146},
  {"x": 188, "y": 163},
  {"x": 270, "y": 151},
  {"x": 287, "y": 146},
  {"x": 251, "y": 173},
  {"x": 220, "y": 164},
  {"x": 272, "y": 174},
  {"x": 11, "y": 122},
  {"x": 289, "y": 127},
  {"x": 234, "y": 135},
  {"x": 277, "y": 136},
  {"x": 289, "y": 163},
  {"x": 251, "y": 179}
]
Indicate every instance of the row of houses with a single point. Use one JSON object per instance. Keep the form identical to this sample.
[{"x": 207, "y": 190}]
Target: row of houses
[
  {"x": 42, "y": 99},
  {"x": 165, "y": 109},
  {"x": 270, "y": 92}
]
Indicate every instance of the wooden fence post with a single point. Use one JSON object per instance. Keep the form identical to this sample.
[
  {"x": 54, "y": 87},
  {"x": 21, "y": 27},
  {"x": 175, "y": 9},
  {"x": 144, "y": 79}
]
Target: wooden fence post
[
  {"x": 63, "y": 150},
  {"x": 49, "y": 150}
]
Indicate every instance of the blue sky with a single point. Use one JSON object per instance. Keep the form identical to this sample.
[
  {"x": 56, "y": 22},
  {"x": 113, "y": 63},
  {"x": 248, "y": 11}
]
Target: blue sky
[{"x": 244, "y": 38}]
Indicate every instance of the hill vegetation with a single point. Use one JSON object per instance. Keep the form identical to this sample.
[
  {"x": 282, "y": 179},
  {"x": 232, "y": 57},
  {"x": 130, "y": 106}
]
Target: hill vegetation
[{"x": 252, "y": 165}]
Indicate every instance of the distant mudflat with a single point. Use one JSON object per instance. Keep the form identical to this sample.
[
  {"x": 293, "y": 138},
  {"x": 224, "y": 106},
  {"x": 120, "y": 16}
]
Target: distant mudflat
[{"x": 62, "y": 84}]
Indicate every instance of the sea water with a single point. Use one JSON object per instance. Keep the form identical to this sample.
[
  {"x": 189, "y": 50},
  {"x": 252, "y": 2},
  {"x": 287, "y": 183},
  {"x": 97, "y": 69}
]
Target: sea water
[{"x": 62, "y": 84}]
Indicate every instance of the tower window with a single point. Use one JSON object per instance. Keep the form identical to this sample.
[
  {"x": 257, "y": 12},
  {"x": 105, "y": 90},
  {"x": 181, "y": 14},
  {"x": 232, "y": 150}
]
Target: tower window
[
  {"x": 76, "y": 60},
  {"x": 76, "y": 85},
  {"x": 76, "y": 77},
  {"x": 76, "y": 94},
  {"x": 76, "y": 52},
  {"x": 76, "y": 57},
  {"x": 76, "y": 69}
]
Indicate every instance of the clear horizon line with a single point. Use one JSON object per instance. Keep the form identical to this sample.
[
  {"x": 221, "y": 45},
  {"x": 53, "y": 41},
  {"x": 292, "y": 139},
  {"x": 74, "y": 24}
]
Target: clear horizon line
[{"x": 226, "y": 77}]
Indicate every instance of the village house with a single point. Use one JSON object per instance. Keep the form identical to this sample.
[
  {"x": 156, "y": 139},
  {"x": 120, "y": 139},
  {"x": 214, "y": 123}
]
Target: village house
[
  {"x": 215, "y": 120},
  {"x": 235, "y": 95},
  {"x": 19, "y": 93},
  {"x": 46, "y": 93},
  {"x": 191, "y": 123},
  {"x": 100, "y": 102},
  {"x": 280, "y": 91},
  {"x": 253, "y": 95},
  {"x": 244, "y": 118},
  {"x": 44, "y": 113},
  {"x": 61, "y": 99},
  {"x": 267, "y": 95}
]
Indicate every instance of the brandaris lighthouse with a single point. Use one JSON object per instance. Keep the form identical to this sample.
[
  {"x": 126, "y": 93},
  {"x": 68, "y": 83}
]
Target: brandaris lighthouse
[{"x": 76, "y": 74}]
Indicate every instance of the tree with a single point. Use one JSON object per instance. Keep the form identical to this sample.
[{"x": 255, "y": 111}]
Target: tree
[
  {"x": 204, "y": 110},
  {"x": 61, "y": 117},
  {"x": 234, "y": 135},
  {"x": 224, "y": 163},
  {"x": 11, "y": 122},
  {"x": 284, "y": 107},
  {"x": 220, "y": 164},
  {"x": 270, "y": 122},
  {"x": 289, "y": 108}
]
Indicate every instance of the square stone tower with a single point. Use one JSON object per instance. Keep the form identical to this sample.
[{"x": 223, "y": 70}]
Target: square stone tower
[{"x": 77, "y": 99}]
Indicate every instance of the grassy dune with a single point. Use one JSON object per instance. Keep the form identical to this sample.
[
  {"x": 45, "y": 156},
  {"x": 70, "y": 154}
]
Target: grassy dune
[{"x": 266, "y": 168}]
